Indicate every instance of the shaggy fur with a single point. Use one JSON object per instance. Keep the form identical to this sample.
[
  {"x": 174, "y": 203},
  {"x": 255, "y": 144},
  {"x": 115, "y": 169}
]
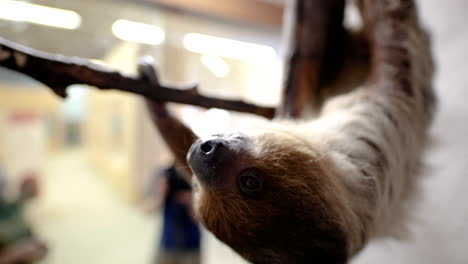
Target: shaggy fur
[{"x": 333, "y": 182}]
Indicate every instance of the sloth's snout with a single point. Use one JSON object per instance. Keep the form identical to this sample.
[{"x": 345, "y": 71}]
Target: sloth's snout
[{"x": 214, "y": 160}]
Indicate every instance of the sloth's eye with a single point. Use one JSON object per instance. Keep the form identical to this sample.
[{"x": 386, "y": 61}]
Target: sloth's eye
[{"x": 251, "y": 182}]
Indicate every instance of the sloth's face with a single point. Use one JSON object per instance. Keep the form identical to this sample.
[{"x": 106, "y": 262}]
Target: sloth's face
[{"x": 269, "y": 196}]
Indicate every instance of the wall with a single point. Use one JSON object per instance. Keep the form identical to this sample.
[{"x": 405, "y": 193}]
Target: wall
[{"x": 25, "y": 134}]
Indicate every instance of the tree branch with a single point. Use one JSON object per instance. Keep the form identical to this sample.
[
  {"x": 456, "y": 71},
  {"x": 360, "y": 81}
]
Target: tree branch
[
  {"x": 58, "y": 72},
  {"x": 313, "y": 30}
]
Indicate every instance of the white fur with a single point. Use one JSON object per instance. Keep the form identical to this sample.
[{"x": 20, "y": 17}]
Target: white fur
[{"x": 379, "y": 191}]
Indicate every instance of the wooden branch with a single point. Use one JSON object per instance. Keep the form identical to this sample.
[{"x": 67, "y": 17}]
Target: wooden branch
[
  {"x": 58, "y": 72},
  {"x": 311, "y": 28}
]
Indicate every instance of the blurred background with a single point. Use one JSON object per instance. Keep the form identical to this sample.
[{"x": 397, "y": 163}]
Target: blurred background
[{"x": 92, "y": 156}]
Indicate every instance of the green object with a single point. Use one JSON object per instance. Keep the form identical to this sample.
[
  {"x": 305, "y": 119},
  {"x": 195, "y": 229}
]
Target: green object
[{"x": 13, "y": 226}]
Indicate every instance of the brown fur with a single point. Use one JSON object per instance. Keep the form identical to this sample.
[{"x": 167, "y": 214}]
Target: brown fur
[
  {"x": 229, "y": 215},
  {"x": 331, "y": 183}
]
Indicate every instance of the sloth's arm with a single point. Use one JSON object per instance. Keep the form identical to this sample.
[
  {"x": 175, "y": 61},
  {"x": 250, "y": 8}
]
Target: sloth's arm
[{"x": 177, "y": 135}]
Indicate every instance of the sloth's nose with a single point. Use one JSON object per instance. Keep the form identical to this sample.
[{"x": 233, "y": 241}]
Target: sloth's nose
[
  {"x": 214, "y": 160},
  {"x": 211, "y": 147}
]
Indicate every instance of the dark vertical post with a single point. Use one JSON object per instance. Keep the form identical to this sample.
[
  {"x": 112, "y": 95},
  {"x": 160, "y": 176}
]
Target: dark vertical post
[{"x": 311, "y": 29}]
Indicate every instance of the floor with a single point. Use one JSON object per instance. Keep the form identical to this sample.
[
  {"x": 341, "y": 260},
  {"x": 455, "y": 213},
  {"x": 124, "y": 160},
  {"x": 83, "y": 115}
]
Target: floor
[
  {"x": 83, "y": 222},
  {"x": 98, "y": 228}
]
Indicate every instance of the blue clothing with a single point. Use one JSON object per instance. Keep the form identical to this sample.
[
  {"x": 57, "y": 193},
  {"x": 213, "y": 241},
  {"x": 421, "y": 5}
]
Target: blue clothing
[{"x": 180, "y": 231}]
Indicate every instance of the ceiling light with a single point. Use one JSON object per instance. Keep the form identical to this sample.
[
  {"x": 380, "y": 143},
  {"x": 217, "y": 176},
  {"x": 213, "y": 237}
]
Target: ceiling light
[
  {"x": 138, "y": 32},
  {"x": 228, "y": 48},
  {"x": 37, "y": 14}
]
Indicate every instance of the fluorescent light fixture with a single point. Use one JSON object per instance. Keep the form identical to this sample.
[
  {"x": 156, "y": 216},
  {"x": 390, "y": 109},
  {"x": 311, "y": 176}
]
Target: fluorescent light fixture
[
  {"x": 216, "y": 65},
  {"x": 138, "y": 32},
  {"x": 37, "y": 14},
  {"x": 228, "y": 48}
]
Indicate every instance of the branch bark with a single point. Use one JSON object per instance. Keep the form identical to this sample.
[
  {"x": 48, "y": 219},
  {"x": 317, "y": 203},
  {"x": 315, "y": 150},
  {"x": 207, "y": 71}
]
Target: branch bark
[
  {"x": 58, "y": 72},
  {"x": 312, "y": 30}
]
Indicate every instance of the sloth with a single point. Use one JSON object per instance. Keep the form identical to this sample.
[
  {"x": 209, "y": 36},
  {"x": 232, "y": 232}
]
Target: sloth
[{"x": 316, "y": 190}]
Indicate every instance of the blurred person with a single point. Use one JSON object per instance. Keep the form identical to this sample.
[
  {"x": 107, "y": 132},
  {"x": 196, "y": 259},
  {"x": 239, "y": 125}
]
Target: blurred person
[
  {"x": 18, "y": 244},
  {"x": 180, "y": 236}
]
